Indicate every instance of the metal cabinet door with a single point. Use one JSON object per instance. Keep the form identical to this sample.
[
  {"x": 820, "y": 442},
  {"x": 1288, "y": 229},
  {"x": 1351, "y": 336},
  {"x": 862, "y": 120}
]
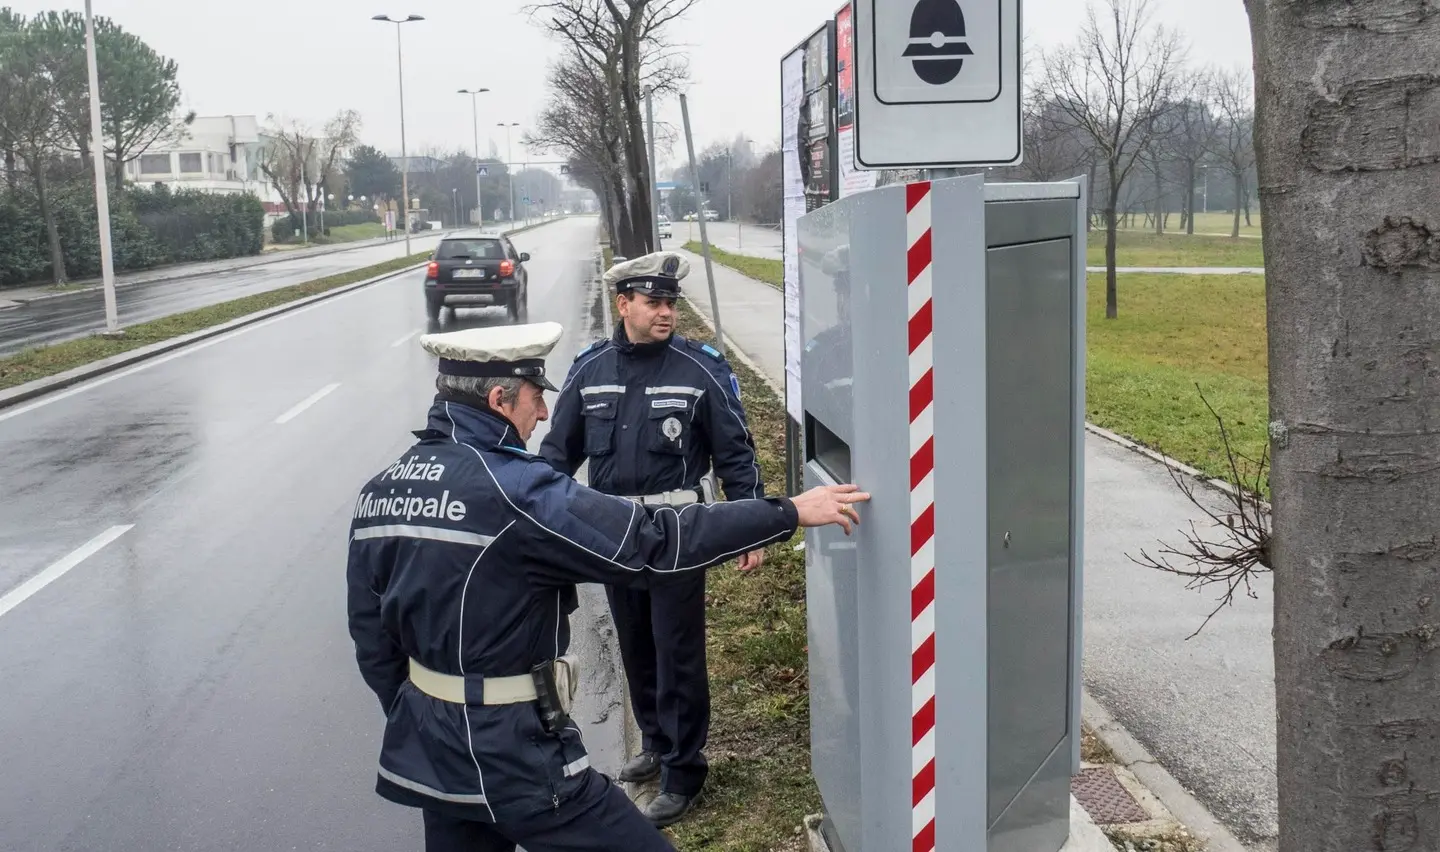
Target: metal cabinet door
[{"x": 1029, "y": 413}]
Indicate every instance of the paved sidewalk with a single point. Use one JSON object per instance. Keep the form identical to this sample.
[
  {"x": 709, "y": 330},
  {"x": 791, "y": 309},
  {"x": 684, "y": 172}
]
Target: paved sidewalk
[
  {"x": 1203, "y": 707},
  {"x": 1185, "y": 270}
]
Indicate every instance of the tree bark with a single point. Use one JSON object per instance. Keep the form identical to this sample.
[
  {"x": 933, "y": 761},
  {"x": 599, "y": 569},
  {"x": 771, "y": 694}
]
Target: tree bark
[
  {"x": 1239, "y": 188},
  {"x": 1190, "y": 198},
  {"x": 1348, "y": 101},
  {"x": 1112, "y": 309},
  {"x": 52, "y": 227},
  {"x": 1159, "y": 203}
]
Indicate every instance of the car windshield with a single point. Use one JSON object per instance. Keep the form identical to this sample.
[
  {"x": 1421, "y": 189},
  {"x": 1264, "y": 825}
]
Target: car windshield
[{"x": 470, "y": 250}]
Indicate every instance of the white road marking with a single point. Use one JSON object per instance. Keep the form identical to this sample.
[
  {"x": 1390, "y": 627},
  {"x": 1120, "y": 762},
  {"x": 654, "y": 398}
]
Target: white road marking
[
  {"x": 306, "y": 403},
  {"x": 402, "y": 341},
  {"x": 27, "y": 589}
]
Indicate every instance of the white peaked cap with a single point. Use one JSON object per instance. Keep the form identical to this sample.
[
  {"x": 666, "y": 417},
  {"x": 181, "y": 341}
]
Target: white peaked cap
[{"x": 502, "y": 351}]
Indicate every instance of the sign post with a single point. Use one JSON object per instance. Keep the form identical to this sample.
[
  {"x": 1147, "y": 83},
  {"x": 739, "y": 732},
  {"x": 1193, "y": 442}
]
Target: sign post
[{"x": 937, "y": 83}]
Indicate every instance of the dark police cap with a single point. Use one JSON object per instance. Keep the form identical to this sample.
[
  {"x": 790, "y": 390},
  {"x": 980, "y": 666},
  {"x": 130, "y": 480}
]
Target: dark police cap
[
  {"x": 657, "y": 274},
  {"x": 500, "y": 352}
]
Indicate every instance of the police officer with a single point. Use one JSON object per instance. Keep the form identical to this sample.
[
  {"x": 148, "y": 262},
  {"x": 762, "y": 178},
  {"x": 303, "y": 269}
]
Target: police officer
[
  {"x": 652, "y": 411},
  {"x": 464, "y": 555}
]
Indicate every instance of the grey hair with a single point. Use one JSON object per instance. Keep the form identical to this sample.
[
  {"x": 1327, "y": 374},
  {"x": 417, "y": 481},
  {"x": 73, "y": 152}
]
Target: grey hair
[{"x": 476, "y": 389}]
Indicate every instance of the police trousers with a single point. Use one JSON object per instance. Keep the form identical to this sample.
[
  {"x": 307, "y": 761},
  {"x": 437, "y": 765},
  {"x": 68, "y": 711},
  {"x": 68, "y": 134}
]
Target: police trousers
[
  {"x": 599, "y": 819},
  {"x": 661, "y": 632}
]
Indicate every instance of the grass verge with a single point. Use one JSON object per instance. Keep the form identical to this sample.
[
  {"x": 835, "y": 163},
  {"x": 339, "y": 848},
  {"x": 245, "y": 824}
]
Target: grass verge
[
  {"x": 760, "y": 788},
  {"x": 45, "y": 361},
  {"x": 772, "y": 272},
  {"x": 1139, "y": 248},
  {"x": 1176, "y": 337}
]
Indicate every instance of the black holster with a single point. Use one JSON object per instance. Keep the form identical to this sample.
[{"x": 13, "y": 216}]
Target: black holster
[{"x": 547, "y": 699}]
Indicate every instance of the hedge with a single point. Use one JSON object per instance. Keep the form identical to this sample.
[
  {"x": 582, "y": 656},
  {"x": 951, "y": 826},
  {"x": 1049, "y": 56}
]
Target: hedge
[{"x": 148, "y": 228}]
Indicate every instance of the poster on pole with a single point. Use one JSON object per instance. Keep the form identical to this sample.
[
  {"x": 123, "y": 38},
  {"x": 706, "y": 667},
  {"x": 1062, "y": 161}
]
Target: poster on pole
[
  {"x": 850, "y": 179},
  {"x": 792, "y": 98}
]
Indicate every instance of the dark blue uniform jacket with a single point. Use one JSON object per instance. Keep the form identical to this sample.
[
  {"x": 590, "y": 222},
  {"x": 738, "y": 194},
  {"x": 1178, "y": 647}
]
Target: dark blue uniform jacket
[
  {"x": 652, "y": 418},
  {"x": 464, "y": 555}
]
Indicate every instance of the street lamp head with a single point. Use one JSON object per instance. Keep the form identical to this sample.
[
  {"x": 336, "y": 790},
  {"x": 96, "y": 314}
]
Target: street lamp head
[
  {"x": 472, "y": 91},
  {"x": 390, "y": 20}
]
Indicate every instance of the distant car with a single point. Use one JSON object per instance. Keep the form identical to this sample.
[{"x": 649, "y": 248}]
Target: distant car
[
  {"x": 711, "y": 216},
  {"x": 689, "y": 217},
  {"x": 666, "y": 230},
  {"x": 475, "y": 269}
]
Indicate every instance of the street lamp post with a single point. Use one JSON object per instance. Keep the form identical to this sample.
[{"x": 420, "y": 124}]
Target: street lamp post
[
  {"x": 404, "y": 155},
  {"x": 510, "y": 165},
  {"x": 102, "y": 187},
  {"x": 475, "y": 122}
]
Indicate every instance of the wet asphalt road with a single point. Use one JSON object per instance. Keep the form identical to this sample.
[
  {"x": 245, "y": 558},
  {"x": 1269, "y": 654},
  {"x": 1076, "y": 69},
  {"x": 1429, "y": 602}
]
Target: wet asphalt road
[
  {"x": 189, "y": 684},
  {"x": 67, "y": 317}
]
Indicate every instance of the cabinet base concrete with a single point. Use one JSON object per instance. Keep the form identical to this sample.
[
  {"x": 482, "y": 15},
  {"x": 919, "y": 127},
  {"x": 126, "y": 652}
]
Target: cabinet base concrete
[{"x": 1085, "y": 835}]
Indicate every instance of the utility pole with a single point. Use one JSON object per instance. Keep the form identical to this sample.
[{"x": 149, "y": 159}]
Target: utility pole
[
  {"x": 704, "y": 239},
  {"x": 102, "y": 188},
  {"x": 404, "y": 155},
  {"x": 475, "y": 121},
  {"x": 510, "y": 165},
  {"x": 654, "y": 190}
]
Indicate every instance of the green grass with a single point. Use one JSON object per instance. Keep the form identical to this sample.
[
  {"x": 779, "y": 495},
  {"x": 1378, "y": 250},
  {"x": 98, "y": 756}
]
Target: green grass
[
  {"x": 1174, "y": 333},
  {"x": 46, "y": 361},
  {"x": 353, "y": 233},
  {"x": 772, "y": 272},
  {"x": 1140, "y": 248},
  {"x": 760, "y": 788}
]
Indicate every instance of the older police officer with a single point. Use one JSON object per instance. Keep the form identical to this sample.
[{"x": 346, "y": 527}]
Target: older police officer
[
  {"x": 464, "y": 554},
  {"x": 652, "y": 412}
]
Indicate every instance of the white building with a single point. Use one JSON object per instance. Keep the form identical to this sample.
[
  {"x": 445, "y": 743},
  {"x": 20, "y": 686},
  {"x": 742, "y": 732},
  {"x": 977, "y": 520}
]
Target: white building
[{"x": 217, "y": 154}]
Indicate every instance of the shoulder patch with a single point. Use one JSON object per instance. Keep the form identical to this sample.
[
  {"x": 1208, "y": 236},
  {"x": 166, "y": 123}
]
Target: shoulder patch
[
  {"x": 735, "y": 385},
  {"x": 591, "y": 348},
  {"x": 711, "y": 351}
]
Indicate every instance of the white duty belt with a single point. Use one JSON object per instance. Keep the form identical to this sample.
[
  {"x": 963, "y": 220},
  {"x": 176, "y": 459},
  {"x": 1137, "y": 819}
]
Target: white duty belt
[
  {"x": 684, "y": 497},
  {"x": 515, "y": 689}
]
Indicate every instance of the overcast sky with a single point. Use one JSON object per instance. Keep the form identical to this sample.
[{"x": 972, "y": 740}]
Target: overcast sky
[{"x": 305, "y": 59}]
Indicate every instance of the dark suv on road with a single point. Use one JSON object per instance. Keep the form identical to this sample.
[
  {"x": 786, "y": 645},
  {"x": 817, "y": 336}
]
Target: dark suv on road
[{"x": 471, "y": 269}]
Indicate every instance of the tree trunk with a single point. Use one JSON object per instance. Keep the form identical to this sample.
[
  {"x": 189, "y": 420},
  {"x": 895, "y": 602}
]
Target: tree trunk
[
  {"x": 1190, "y": 198},
  {"x": 10, "y": 175},
  {"x": 52, "y": 227},
  {"x": 1090, "y": 214},
  {"x": 1159, "y": 203},
  {"x": 1112, "y": 309},
  {"x": 1239, "y": 188},
  {"x": 1346, "y": 111},
  {"x": 1245, "y": 190}
]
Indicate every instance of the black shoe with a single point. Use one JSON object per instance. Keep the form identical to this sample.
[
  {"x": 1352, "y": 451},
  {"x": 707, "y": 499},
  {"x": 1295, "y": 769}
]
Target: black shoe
[
  {"x": 668, "y": 808},
  {"x": 641, "y": 768}
]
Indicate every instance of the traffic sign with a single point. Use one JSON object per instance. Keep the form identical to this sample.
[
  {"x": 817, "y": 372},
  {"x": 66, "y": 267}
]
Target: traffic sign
[
  {"x": 482, "y": 171},
  {"x": 525, "y": 199},
  {"x": 937, "y": 83}
]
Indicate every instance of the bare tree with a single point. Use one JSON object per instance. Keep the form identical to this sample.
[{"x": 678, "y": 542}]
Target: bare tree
[
  {"x": 1111, "y": 85},
  {"x": 1196, "y": 133},
  {"x": 1235, "y": 100},
  {"x": 287, "y": 161},
  {"x": 624, "y": 41},
  {"x": 341, "y": 133}
]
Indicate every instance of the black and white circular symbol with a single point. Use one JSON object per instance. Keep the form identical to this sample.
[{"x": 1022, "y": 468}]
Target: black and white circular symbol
[
  {"x": 670, "y": 428},
  {"x": 937, "y": 41}
]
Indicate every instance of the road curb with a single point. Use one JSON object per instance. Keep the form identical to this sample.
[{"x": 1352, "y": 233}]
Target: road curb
[
  {"x": 1157, "y": 779},
  {"x": 1204, "y": 478},
  {"x": 49, "y": 384}
]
